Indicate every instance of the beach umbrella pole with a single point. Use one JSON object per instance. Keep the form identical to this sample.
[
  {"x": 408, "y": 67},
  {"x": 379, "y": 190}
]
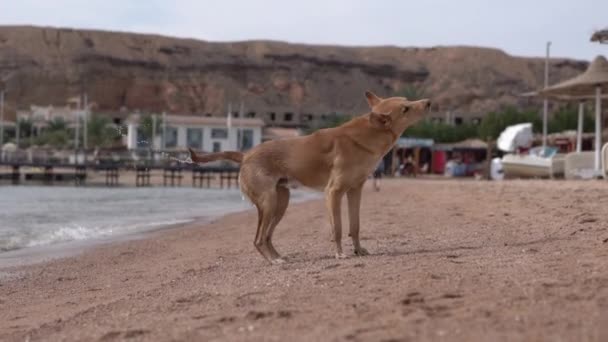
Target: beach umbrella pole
[
  {"x": 17, "y": 132},
  {"x": 598, "y": 129},
  {"x": 163, "y": 123},
  {"x": 579, "y": 129},
  {"x": 545, "y": 110},
  {"x": 85, "y": 131},
  {"x": 153, "y": 144},
  {"x": 1, "y": 117},
  {"x": 545, "y": 100}
]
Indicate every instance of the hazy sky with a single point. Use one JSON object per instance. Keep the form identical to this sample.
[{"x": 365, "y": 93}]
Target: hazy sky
[{"x": 520, "y": 27}]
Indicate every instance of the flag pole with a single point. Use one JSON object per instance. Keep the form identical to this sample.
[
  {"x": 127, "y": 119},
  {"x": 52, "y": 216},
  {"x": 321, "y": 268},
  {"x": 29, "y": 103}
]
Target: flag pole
[
  {"x": 85, "y": 133},
  {"x": 545, "y": 100}
]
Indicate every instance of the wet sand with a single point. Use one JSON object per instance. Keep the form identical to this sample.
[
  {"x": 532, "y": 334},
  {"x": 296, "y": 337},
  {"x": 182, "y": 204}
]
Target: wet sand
[{"x": 451, "y": 261}]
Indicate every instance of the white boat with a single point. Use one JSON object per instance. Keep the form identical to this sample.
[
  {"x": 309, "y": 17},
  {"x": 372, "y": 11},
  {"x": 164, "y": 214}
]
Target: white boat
[{"x": 538, "y": 163}]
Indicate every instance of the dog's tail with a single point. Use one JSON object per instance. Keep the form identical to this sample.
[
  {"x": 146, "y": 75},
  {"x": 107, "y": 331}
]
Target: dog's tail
[{"x": 209, "y": 157}]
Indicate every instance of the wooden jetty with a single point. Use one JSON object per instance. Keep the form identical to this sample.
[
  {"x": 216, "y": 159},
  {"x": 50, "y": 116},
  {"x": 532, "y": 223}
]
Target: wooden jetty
[{"x": 78, "y": 174}]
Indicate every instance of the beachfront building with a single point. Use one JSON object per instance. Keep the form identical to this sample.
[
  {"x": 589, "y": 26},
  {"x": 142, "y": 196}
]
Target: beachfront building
[
  {"x": 41, "y": 116},
  {"x": 201, "y": 133}
]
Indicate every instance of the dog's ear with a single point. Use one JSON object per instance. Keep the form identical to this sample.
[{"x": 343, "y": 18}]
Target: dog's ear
[
  {"x": 380, "y": 120},
  {"x": 372, "y": 99}
]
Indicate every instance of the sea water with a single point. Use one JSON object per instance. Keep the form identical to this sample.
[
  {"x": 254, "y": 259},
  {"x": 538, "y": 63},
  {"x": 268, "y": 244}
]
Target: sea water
[{"x": 42, "y": 216}]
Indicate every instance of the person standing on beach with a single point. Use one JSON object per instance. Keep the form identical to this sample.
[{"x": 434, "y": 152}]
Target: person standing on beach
[{"x": 378, "y": 174}]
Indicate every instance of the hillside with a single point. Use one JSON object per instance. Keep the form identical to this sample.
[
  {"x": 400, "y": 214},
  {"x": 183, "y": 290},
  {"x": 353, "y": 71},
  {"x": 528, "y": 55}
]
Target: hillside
[{"x": 155, "y": 73}]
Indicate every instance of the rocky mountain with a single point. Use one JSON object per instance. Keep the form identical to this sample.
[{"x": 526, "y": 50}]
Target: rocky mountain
[{"x": 156, "y": 73}]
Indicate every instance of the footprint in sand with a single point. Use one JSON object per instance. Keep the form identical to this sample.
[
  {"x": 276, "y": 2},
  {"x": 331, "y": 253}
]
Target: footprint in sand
[{"x": 116, "y": 335}]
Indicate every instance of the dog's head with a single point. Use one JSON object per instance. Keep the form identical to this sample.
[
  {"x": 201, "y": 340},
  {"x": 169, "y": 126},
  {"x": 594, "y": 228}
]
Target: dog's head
[{"x": 396, "y": 113}]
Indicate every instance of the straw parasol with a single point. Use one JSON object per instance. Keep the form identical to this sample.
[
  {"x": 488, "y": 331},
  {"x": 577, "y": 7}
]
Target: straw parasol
[
  {"x": 584, "y": 84},
  {"x": 563, "y": 98},
  {"x": 594, "y": 81},
  {"x": 600, "y": 36},
  {"x": 581, "y": 109}
]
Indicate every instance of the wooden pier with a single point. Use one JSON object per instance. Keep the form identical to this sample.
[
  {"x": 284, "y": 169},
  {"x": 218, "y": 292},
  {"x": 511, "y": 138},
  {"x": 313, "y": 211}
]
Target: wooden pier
[
  {"x": 142, "y": 176},
  {"x": 110, "y": 175},
  {"x": 174, "y": 174},
  {"x": 200, "y": 175}
]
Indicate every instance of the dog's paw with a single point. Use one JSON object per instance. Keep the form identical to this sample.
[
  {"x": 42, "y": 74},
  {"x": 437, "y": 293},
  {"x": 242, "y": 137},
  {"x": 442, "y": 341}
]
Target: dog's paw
[
  {"x": 340, "y": 256},
  {"x": 277, "y": 261},
  {"x": 361, "y": 251}
]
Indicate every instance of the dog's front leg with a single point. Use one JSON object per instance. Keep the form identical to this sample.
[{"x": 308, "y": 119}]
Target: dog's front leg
[
  {"x": 354, "y": 204},
  {"x": 333, "y": 198}
]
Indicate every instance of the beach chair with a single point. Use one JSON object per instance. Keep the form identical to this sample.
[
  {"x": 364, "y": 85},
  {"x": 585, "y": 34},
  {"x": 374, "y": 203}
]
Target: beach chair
[{"x": 579, "y": 165}]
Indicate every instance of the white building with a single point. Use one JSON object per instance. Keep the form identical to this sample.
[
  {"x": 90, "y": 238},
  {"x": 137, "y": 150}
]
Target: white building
[
  {"x": 209, "y": 134},
  {"x": 40, "y": 116}
]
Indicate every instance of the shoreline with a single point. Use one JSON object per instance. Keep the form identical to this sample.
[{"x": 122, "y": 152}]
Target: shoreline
[
  {"x": 466, "y": 261},
  {"x": 49, "y": 252},
  {"x": 45, "y": 253}
]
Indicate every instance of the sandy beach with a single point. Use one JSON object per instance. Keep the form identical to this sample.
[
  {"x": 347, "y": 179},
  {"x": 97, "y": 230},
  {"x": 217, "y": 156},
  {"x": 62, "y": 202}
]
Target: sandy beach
[{"x": 451, "y": 261}]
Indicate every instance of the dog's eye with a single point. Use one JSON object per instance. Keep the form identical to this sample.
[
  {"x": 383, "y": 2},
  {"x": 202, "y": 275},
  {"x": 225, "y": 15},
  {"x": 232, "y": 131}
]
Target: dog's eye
[{"x": 405, "y": 109}]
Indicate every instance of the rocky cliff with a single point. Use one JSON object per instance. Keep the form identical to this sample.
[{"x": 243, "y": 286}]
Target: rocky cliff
[{"x": 155, "y": 73}]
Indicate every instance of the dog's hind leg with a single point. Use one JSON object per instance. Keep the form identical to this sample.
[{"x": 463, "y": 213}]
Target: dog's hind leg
[
  {"x": 266, "y": 204},
  {"x": 282, "y": 203},
  {"x": 258, "y": 232}
]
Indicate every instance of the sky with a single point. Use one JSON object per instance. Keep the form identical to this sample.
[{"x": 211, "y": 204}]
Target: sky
[{"x": 519, "y": 27}]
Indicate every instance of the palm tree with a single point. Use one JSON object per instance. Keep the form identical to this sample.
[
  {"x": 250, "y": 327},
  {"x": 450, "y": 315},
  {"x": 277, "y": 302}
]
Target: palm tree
[
  {"x": 146, "y": 125},
  {"x": 56, "y": 134},
  {"x": 57, "y": 124},
  {"x": 100, "y": 132},
  {"x": 24, "y": 129}
]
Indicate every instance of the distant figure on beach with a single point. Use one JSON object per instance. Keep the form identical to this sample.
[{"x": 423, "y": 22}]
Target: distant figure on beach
[
  {"x": 424, "y": 168},
  {"x": 407, "y": 167},
  {"x": 378, "y": 174}
]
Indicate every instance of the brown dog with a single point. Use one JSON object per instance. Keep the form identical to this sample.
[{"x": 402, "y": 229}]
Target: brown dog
[{"x": 336, "y": 160}]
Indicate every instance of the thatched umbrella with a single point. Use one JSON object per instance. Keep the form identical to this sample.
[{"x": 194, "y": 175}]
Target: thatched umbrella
[
  {"x": 581, "y": 109},
  {"x": 600, "y": 36},
  {"x": 593, "y": 81}
]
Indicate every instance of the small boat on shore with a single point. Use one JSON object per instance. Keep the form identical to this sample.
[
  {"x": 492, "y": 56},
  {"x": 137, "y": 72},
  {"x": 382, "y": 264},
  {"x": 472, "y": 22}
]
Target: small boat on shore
[
  {"x": 521, "y": 161},
  {"x": 539, "y": 162}
]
